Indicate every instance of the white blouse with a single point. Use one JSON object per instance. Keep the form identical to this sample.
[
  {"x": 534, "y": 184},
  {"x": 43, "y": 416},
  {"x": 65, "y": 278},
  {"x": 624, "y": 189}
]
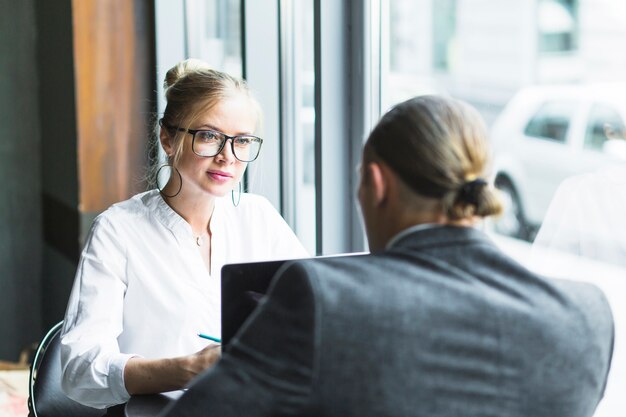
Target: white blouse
[{"x": 142, "y": 288}]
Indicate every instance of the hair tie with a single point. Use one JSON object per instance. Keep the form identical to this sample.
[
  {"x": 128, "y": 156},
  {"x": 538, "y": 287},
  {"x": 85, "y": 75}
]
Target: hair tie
[{"x": 468, "y": 192}]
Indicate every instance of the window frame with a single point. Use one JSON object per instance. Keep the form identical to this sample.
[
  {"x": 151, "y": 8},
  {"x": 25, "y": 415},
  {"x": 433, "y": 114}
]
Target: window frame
[{"x": 345, "y": 79}]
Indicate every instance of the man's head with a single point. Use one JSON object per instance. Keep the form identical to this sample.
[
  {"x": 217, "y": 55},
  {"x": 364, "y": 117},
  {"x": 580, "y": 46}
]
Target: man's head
[{"x": 425, "y": 162}]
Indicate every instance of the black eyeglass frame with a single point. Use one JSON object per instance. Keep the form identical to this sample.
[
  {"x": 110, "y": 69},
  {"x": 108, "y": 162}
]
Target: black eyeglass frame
[{"x": 219, "y": 134}]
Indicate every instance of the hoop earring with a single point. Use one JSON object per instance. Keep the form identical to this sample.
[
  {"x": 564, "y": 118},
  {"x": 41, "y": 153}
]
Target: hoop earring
[
  {"x": 180, "y": 178},
  {"x": 232, "y": 195}
]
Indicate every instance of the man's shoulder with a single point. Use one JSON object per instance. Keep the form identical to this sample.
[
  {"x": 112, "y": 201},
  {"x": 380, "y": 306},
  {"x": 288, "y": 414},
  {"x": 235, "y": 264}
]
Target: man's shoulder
[
  {"x": 355, "y": 276},
  {"x": 587, "y": 298},
  {"x": 312, "y": 271},
  {"x": 335, "y": 265}
]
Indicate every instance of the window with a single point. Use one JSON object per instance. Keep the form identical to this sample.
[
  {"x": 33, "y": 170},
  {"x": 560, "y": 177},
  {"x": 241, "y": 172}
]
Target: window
[
  {"x": 547, "y": 53},
  {"x": 298, "y": 120},
  {"x": 213, "y": 33},
  {"x": 557, "y": 25},
  {"x": 444, "y": 34},
  {"x": 312, "y": 94},
  {"x": 551, "y": 121},
  {"x": 410, "y": 46},
  {"x": 604, "y": 123}
]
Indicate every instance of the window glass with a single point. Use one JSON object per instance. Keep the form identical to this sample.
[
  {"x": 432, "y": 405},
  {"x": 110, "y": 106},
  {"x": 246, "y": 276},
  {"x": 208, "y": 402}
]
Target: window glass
[
  {"x": 213, "y": 33},
  {"x": 305, "y": 126},
  {"x": 604, "y": 123},
  {"x": 444, "y": 34},
  {"x": 298, "y": 119},
  {"x": 551, "y": 121},
  {"x": 557, "y": 25},
  {"x": 502, "y": 59}
]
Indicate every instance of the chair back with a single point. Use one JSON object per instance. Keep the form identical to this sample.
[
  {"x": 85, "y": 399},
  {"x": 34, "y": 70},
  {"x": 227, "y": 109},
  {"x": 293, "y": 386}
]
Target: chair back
[{"x": 45, "y": 395}]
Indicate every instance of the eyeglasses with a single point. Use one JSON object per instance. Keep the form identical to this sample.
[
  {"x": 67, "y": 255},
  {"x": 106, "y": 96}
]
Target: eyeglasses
[{"x": 208, "y": 143}]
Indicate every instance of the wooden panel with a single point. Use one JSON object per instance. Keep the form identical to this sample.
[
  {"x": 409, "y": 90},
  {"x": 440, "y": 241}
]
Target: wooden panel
[{"x": 113, "y": 66}]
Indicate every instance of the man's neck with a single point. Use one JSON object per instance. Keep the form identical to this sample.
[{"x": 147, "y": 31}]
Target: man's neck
[{"x": 401, "y": 222}]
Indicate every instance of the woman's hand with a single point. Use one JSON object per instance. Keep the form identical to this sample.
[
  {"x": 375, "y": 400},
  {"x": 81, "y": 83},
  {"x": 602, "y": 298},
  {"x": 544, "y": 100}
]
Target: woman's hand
[
  {"x": 201, "y": 360},
  {"x": 151, "y": 376}
]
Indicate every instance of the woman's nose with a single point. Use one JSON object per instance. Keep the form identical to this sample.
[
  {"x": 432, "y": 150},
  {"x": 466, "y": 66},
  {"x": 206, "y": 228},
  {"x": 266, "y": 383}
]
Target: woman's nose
[{"x": 226, "y": 154}]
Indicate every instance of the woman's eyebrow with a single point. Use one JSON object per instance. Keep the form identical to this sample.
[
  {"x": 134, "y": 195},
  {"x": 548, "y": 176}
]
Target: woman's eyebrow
[
  {"x": 217, "y": 129},
  {"x": 208, "y": 126}
]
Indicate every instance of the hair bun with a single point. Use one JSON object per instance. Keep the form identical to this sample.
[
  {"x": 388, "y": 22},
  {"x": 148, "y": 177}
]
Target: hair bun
[
  {"x": 182, "y": 69},
  {"x": 473, "y": 198},
  {"x": 469, "y": 192}
]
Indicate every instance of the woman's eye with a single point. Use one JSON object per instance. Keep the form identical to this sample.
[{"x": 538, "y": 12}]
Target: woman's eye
[
  {"x": 208, "y": 137},
  {"x": 243, "y": 141}
]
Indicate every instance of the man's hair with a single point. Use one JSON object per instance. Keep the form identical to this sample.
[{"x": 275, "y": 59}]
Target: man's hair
[{"x": 438, "y": 147}]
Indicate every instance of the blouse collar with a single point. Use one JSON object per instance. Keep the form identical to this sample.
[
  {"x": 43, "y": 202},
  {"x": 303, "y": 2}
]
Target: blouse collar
[
  {"x": 166, "y": 215},
  {"x": 157, "y": 205}
]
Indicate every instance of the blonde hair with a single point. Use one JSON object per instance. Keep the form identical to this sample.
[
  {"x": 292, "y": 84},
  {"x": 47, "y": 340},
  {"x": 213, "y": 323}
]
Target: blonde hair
[{"x": 438, "y": 147}]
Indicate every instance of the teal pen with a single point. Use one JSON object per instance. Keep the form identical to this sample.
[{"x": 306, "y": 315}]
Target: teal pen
[{"x": 206, "y": 336}]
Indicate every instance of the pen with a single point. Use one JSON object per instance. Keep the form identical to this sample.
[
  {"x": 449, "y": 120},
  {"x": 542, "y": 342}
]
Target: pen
[{"x": 206, "y": 336}]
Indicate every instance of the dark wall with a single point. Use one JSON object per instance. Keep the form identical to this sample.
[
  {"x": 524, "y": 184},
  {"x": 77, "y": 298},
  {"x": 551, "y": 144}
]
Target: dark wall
[
  {"x": 39, "y": 222},
  {"x": 60, "y": 194},
  {"x": 20, "y": 179},
  {"x": 47, "y": 75}
]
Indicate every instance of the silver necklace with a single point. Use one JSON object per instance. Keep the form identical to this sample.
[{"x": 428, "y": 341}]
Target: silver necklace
[{"x": 200, "y": 238}]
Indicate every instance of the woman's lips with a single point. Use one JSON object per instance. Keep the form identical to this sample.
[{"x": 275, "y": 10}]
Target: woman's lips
[{"x": 219, "y": 176}]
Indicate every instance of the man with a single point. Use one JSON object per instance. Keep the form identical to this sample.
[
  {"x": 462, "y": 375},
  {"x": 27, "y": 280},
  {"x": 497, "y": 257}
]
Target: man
[{"x": 435, "y": 322}]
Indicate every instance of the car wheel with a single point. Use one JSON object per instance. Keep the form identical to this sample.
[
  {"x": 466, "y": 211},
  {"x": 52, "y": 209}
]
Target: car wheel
[{"x": 512, "y": 222}]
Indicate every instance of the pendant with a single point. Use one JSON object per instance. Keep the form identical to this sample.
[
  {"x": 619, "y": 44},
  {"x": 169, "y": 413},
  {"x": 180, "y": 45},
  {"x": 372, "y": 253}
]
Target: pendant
[{"x": 199, "y": 240}]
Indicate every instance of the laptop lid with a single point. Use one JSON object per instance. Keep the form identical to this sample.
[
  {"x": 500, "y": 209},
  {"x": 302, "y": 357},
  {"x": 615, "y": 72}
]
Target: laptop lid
[{"x": 243, "y": 286}]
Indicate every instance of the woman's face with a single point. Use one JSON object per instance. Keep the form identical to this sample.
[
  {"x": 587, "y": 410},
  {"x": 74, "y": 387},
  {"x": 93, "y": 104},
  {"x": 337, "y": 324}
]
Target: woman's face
[{"x": 219, "y": 174}]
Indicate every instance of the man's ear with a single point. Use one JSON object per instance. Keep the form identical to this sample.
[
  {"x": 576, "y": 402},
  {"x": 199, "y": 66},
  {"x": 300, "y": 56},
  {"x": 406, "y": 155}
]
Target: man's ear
[
  {"x": 166, "y": 141},
  {"x": 378, "y": 182}
]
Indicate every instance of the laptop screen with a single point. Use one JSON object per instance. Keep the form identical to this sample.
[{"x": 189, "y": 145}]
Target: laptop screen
[{"x": 243, "y": 285}]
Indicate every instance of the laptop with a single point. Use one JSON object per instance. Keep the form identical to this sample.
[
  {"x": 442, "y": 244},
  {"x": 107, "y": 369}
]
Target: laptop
[{"x": 244, "y": 285}]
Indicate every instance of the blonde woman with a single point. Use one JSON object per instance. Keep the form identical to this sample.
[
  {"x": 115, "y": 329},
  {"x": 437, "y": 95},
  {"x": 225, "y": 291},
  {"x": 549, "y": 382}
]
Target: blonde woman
[{"x": 148, "y": 280}]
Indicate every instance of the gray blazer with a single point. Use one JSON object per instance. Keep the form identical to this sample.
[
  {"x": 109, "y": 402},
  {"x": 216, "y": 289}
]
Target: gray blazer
[{"x": 443, "y": 324}]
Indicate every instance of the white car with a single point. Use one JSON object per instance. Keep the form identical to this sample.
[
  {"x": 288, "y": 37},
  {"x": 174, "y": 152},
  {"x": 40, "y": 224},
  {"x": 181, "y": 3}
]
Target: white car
[{"x": 546, "y": 134}]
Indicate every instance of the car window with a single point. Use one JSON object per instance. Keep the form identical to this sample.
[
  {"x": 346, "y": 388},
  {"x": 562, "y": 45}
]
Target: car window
[
  {"x": 604, "y": 122},
  {"x": 551, "y": 121}
]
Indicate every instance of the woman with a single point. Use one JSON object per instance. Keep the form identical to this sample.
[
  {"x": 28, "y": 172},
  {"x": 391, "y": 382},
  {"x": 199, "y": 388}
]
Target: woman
[{"x": 148, "y": 280}]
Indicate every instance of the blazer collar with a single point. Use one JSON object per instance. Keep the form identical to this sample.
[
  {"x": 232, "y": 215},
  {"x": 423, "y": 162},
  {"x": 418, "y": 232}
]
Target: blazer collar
[{"x": 437, "y": 236}]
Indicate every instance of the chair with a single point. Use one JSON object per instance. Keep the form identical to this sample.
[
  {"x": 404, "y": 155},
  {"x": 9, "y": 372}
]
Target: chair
[{"x": 45, "y": 396}]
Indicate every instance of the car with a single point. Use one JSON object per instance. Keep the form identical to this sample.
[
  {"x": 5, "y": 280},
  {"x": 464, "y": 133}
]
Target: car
[{"x": 546, "y": 134}]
